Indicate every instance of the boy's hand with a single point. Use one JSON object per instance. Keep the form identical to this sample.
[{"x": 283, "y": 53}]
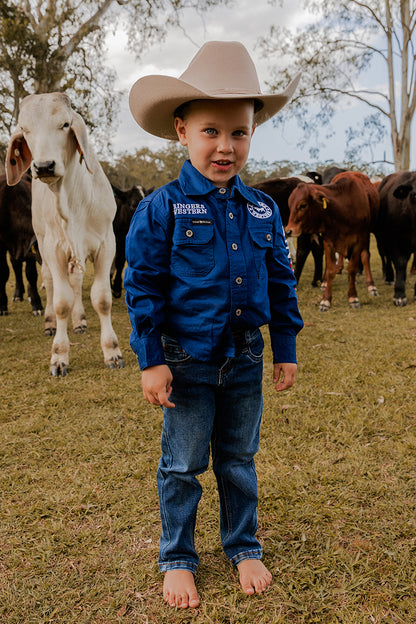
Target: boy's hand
[
  {"x": 284, "y": 375},
  {"x": 157, "y": 385}
]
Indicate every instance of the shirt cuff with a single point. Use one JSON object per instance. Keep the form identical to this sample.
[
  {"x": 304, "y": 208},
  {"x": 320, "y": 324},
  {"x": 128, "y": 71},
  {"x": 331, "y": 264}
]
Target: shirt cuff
[
  {"x": 149, "y": 351},
  {"x": 283, "y": 348}
]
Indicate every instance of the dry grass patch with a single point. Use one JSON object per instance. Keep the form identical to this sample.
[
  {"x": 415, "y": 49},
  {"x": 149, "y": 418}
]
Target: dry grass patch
[{"x": 79, "y": 520}]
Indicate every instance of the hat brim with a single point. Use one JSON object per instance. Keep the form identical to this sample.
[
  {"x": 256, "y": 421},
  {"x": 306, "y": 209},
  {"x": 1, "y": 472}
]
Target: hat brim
[{"x": 153, "y": 100}]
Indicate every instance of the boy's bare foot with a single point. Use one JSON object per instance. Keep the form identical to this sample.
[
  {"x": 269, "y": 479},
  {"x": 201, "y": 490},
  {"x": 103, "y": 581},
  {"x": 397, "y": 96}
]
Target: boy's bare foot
[
  {"x": 254, "y": 576},
  {"x": 179, "y": 589}
]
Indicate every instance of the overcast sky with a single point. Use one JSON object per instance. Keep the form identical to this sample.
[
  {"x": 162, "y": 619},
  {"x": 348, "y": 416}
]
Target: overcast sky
[{"x": 246, "y": 21}]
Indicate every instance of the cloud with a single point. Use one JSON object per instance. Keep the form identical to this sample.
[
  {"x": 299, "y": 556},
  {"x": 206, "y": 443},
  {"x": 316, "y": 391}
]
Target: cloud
[{"x": 245, "y": 21}]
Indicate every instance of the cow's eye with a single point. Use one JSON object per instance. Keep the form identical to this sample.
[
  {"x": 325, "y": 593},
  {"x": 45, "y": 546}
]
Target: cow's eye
[
  {"x": 302, "y": 206},
  {"x": 65, "y": 126}
]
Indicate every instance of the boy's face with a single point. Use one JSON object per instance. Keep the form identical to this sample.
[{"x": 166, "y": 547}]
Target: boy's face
[{"x": 218, "y": 135}]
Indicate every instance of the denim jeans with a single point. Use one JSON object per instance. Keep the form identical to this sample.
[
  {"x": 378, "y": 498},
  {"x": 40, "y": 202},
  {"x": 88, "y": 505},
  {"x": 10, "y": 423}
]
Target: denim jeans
[{"x": 218, "y": 406}]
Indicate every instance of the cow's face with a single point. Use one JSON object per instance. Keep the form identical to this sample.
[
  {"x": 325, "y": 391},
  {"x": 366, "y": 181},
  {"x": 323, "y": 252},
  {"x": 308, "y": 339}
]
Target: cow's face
[
  {"x": 306, "y": 204},
  {"x": 405, "y": 192},
  {"x": 53, "y": 133}
]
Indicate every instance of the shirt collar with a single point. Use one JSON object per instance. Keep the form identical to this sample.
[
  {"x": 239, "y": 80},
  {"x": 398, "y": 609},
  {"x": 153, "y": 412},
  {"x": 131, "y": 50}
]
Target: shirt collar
[{"x": 192, "y": 182}]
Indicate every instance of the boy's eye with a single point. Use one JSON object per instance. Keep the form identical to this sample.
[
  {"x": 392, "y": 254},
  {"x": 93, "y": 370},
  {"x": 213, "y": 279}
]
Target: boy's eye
[
  {"x": 210, "y": 131},
  {"x": 239, "y": 133}
]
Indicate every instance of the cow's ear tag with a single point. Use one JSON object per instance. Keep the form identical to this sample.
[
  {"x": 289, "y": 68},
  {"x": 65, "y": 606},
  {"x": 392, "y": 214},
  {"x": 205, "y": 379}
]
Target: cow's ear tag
[{"x": 324, "y": 203}]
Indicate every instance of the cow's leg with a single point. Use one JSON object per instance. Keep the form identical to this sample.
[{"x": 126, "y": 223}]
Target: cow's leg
[
  {"x": 79, "y": 322},
  {"x": 50, "y": 317},
  {"x": 352, "y": 272},
  {"x": 32, "y": 289},
  {"x": 400, "y": 265},
  {"x": 4, "y": 276},
  {"x": 340, "y": 264},
  {"x": 19, "y": 289},
  {"x": 388, "y": 271},
  {"x": 365, "y": 259},
  {"x": 119, "y": 262},
  {"x": 302, "y": 251},
  {"x": 63, "y": 300},
  {"x": 102, "y": 302},
  {"x": 331, "y": 269},
  {"x": 317, "y": 249}
]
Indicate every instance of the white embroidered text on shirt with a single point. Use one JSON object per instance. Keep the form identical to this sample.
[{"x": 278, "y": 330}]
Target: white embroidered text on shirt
[{"x": 189, "y": 209}]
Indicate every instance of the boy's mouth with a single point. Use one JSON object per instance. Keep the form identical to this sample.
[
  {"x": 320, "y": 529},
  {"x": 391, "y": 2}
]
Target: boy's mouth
[{"x": 222, "y": 164}]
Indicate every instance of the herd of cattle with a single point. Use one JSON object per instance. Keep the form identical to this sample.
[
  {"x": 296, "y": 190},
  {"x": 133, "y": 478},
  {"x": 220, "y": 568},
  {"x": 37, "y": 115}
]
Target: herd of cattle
[{"x": 58, "y": 208}]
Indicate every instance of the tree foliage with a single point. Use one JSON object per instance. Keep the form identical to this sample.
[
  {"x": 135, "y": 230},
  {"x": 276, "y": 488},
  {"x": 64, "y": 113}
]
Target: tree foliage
[
  {"x": 59, "y": 45},
  {"x": 352, "y": 50}
]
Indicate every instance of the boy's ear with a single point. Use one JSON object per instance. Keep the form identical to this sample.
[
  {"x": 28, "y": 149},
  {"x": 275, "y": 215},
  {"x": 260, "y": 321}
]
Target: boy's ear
[
  {"x": 181, "y": 130},
  {"x": 254, "y": 127}
]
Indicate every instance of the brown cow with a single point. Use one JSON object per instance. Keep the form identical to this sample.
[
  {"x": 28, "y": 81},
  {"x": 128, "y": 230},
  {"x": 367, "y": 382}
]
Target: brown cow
[{"x": 344, "y": 212}]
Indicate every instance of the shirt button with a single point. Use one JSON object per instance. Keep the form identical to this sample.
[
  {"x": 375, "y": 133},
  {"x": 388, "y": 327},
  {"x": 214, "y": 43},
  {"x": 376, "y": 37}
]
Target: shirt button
[
  {"x": 268, "y": 237},
  {"x": 238, "y": 280},
  {"x": 189, "y": 233},
  {"x": 230, "y": 214},
  {"x": 234, "y": 246},
  {"x": 223, "y": 190},
  {"x": 238, "y": 312}
]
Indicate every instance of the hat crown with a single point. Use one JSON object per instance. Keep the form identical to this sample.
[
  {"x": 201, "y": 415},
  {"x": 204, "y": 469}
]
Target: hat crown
[{"x": 222, "y": 67}]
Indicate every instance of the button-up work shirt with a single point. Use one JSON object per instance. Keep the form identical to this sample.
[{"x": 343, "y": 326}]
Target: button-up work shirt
[{"x": 205, "y": 262}]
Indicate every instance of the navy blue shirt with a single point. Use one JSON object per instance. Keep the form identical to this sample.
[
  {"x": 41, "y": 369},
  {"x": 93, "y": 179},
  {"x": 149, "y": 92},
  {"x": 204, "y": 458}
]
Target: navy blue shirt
[{"x": 204, "y": 262}]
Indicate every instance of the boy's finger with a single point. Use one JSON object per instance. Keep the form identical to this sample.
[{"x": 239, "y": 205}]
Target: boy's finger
[{"x": 163, "y": 398}]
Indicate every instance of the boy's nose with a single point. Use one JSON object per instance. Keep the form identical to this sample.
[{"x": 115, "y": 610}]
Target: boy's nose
[{"x": 225, "y": 145}]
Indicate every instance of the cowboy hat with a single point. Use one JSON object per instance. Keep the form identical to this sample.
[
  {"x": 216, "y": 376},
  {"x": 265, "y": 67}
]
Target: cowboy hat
[{"x": 221, "y": 70}]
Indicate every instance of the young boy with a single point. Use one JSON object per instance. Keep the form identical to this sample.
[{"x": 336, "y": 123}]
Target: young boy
[{"x": 207, "y": 266}]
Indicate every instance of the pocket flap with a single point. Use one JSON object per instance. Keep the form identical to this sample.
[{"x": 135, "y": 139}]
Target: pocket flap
[{"x": 262, "y": 237}]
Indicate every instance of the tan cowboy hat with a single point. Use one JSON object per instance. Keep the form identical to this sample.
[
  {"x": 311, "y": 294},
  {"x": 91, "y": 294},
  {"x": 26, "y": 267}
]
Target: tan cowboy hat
[{"x": 220, "y": 70}]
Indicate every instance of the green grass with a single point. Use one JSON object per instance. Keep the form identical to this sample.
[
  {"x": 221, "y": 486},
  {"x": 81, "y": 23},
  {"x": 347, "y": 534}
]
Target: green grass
[{"x": 79, "y": 521}]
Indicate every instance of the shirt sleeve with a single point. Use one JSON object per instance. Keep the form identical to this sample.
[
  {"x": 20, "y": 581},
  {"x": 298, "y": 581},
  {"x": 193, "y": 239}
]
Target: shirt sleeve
[
  {"x": 286, "y": 320},
  {"x": 146, "y": 276}
]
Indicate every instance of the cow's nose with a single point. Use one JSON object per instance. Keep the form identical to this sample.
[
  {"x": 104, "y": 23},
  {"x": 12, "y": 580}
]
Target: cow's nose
[
  {"x": 46, "y": 168},
  {"x": 288, "y": 232}
]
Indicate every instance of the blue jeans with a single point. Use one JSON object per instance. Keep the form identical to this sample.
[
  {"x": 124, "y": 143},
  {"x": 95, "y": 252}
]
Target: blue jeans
[{"x": 218, "y": 406}]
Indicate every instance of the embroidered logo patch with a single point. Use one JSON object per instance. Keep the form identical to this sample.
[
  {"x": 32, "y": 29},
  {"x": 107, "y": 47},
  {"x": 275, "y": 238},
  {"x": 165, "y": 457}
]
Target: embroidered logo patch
[
  {"x": 261, "y": 211},
  {"x": 189, "y": 209}
]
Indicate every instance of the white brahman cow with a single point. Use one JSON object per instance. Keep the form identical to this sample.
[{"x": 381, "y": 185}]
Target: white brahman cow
[{"x": 73, "y": 208}]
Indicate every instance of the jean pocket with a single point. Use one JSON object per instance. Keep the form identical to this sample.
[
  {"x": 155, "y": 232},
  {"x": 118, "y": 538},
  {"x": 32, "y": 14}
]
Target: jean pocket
[
  {"x": 174, "y": 354},
  {"x": 255, "y": 346}
]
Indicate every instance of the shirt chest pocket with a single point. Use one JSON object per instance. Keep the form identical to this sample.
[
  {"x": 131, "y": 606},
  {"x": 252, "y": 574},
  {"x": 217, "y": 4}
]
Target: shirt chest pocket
[
  {"x": 261, "y": 242},
  {"x": 192, "y": 248}
]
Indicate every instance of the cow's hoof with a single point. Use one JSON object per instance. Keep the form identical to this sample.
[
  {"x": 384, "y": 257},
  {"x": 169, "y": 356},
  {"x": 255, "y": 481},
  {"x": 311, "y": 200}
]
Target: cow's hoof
[
  {"x": 80, "y": 329},
  {"x": 3, "y": 313},
  {"x": 50, "y": 331},
  {"x": 38, "y": 312},
  {"x": 400, "y": 302},
  {"x": 18, "y": 298},
  {"x": 315, "y": 283},
  {"x": 373, "y": 291},
  {"x": 324, "y": 305},
  {"x": 323, "y": 285},
  {"x": 389, "y": 283},
  {"x": 59, "y": 369},
  {"x": 354, "y": 303},
  {"x": 115, "y": 362},
  {"x": 116, "y": 293}
]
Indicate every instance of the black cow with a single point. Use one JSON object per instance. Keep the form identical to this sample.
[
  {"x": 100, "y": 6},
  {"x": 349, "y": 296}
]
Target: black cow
[
  {"x": 17, "y": 238},
  {"x": 127, "y": 202},
  {"x": 280, "y": 189},
  {"x": 396, "y": 229}
]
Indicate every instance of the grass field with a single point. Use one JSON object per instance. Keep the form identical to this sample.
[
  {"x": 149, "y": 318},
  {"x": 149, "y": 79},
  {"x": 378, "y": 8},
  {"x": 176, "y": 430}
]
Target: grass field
[{"x": 79, "y": 520}]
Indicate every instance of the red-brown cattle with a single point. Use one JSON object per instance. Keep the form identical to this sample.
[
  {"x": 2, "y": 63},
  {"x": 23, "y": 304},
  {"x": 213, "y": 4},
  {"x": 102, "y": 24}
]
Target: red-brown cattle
[{"x": 344, "y": 212}]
